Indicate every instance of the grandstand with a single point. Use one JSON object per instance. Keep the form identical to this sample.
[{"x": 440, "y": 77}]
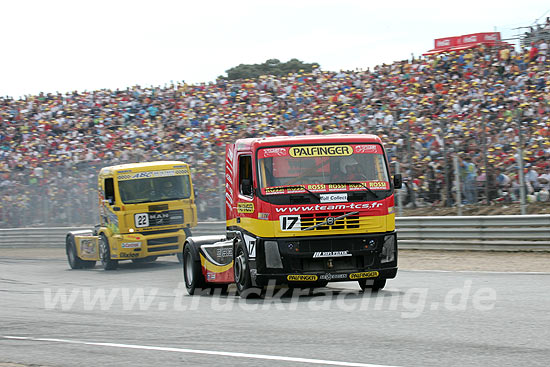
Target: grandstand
[{"x": 481, "y": 103}]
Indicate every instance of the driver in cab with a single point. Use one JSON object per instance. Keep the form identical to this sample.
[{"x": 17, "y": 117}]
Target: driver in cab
[
  {"x": 351, "y": 170},
  {"x": 168, "y": 190}
]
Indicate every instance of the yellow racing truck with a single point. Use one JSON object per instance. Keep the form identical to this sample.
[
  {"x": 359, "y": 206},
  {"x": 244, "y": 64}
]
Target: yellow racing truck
[{"x": 146, "y": 210}]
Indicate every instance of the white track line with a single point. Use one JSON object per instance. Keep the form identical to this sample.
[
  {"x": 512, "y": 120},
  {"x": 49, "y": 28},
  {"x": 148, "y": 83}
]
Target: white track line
[{"x": 197, "y": 351}]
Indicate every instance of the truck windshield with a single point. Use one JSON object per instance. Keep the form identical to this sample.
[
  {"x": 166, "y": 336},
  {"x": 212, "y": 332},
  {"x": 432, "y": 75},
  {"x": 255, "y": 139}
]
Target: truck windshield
[
  {"x": 322, "y": 168},
  {"x": 145, "y": 190}
]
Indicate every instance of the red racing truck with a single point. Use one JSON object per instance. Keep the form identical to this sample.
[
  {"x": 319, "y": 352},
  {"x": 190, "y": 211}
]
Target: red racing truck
[{"x": 301, "y": 210}]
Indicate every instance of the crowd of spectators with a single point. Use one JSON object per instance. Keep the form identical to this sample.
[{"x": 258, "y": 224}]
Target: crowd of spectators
[{"x": 52, "y": 145}]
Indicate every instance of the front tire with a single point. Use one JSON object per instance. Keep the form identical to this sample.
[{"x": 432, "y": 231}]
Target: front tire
[
  {"x": 373, "y": 284},
  {"x": 241, "y": 269},
  {"x": 105, "y": 254}
]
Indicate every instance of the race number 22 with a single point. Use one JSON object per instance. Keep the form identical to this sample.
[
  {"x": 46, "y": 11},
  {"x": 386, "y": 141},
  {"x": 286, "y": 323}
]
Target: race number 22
[
  {"x": 141, "y": 220},
  {"x": 290, "y": 223}
]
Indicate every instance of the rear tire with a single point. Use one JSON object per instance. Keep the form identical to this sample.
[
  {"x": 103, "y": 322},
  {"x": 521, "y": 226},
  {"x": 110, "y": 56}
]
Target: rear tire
[
  {"x": 105, "y": 254},
  {"x": 192, "y": 270},
  {"x": 74, "y": 261},
  {"x": 373, "y": 284}
]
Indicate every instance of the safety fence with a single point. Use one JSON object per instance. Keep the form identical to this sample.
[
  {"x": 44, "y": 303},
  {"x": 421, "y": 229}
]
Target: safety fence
[{"x": 493, "y": 233}]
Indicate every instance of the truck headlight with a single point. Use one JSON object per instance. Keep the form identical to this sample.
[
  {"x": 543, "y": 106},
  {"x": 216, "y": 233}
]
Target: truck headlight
[
  {"x": 388, "y": 250},
  {"x": 272, "y": 255}
]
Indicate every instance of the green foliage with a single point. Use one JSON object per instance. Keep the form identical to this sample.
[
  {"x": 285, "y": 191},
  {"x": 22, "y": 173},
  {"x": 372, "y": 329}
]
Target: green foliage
[{"x": 270, "y": 67}]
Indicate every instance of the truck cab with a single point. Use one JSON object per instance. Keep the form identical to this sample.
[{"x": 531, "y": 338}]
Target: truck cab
[{"x": 146, "y": 210}]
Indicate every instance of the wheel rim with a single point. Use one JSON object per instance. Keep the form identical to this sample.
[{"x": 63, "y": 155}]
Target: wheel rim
[
  {"x": 188, "y": 269},
  {"x": 103, "y": 250},
  {"x": 239, "y": 269}
]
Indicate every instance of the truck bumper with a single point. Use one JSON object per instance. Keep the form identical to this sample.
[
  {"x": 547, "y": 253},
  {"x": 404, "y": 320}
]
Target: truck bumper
[
  {"x": 327, "y": 258},
  {"x": 265, "y": 279},
  {"x": 134, "y": 246}
]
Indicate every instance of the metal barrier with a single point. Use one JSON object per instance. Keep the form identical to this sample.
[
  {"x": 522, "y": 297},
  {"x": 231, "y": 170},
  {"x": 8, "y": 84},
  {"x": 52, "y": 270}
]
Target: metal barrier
[{"x": 494, "y": 233}]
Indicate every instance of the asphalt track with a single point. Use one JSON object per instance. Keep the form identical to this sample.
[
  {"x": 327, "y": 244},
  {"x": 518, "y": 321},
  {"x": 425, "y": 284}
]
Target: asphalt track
[{"x": 140, "y": 315}]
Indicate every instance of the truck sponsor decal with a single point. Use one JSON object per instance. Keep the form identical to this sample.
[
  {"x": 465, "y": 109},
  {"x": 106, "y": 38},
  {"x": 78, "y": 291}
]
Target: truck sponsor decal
[
  {"x": 378, "y": 185},
  {"x": 151, "y": 174},
  {"x": 313, "y": 208},
  {"x": 368, "y": 149},
  {"x": 275, "y": 190},
  {"x": 331, "y": 254},
  {"x": 363, "y": 275},
  {"x": 273, "y": 152},
  {"x": 130, "y": 244},
  {"x": 321, "y": 151},
  {"x": 263, "y": 216},
  {"x": 224, "y": 252},
  {"x": 301, "y": 278},
  {"x": 334, "y": 198},
  {"x": 329, "y": 276},
  {"x": 87, "y": 247},
  {"x": 245, "y": 208}
]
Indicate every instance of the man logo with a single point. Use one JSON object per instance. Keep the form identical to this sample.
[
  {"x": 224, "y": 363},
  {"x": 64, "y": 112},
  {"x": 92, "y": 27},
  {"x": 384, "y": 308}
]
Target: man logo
[{"x": 330, "y": 221}]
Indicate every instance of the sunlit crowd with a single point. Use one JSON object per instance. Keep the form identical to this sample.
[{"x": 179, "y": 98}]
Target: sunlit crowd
[{"x": 479, "y": 104}]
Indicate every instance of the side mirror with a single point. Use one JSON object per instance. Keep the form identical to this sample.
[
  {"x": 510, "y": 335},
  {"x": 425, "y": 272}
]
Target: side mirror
[
  {"x": 246, "y": 187},
  {"x": 397, "y": 181}
]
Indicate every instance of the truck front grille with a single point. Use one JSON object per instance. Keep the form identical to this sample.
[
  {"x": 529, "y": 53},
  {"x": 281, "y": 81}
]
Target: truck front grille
[
  {"x": 162, "y": 241},
  {"x": 365, "y": 223},
  {"x": 163, "y": 248}
]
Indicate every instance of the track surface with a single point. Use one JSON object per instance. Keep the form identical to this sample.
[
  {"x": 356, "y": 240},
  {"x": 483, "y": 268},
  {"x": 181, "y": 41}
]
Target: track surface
[{"x": 422, "y": 318}]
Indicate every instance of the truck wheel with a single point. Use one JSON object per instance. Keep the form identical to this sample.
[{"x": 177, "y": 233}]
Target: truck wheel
[
  {"x": 374, "y": 285},
  {"x": 105, "y": 254},
  {"x": 241, "y": 270},
  {"x": 192, "y": 272},
  {"x": 74, "y": 261}
]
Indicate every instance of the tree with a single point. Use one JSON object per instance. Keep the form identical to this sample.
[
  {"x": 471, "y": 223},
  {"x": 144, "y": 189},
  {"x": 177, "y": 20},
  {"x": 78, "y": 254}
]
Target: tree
[{"x": 269, "y": 67}]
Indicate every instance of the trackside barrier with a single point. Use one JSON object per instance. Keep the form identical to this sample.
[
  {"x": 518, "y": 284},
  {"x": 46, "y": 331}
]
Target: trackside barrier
[{"x": 493, "y": 233}]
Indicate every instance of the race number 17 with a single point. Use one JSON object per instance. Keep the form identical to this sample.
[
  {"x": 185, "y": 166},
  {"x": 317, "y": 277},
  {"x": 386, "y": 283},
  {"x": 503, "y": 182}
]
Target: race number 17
[{"x": 290, "y": 223}]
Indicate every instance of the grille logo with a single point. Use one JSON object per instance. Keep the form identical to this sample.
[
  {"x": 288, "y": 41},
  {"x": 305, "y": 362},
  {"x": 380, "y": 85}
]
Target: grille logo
[{"x": 331, "y": 254}]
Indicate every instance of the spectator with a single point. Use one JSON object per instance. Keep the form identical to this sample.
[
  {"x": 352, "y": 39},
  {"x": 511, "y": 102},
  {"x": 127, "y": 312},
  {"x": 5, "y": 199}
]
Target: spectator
[{"x": 52, "y": 145}]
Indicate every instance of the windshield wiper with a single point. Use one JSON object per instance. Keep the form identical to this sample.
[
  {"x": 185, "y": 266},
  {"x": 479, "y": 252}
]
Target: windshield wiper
[
  {"x": 356, "y": 182},
  {"x": 303, "y": 187}
]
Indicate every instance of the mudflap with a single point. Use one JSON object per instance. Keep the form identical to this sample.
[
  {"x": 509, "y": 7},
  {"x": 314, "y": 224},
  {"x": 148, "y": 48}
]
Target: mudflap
[
  {"x": 87, "y": 246},
  {"x": 217, "y": 262}
]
